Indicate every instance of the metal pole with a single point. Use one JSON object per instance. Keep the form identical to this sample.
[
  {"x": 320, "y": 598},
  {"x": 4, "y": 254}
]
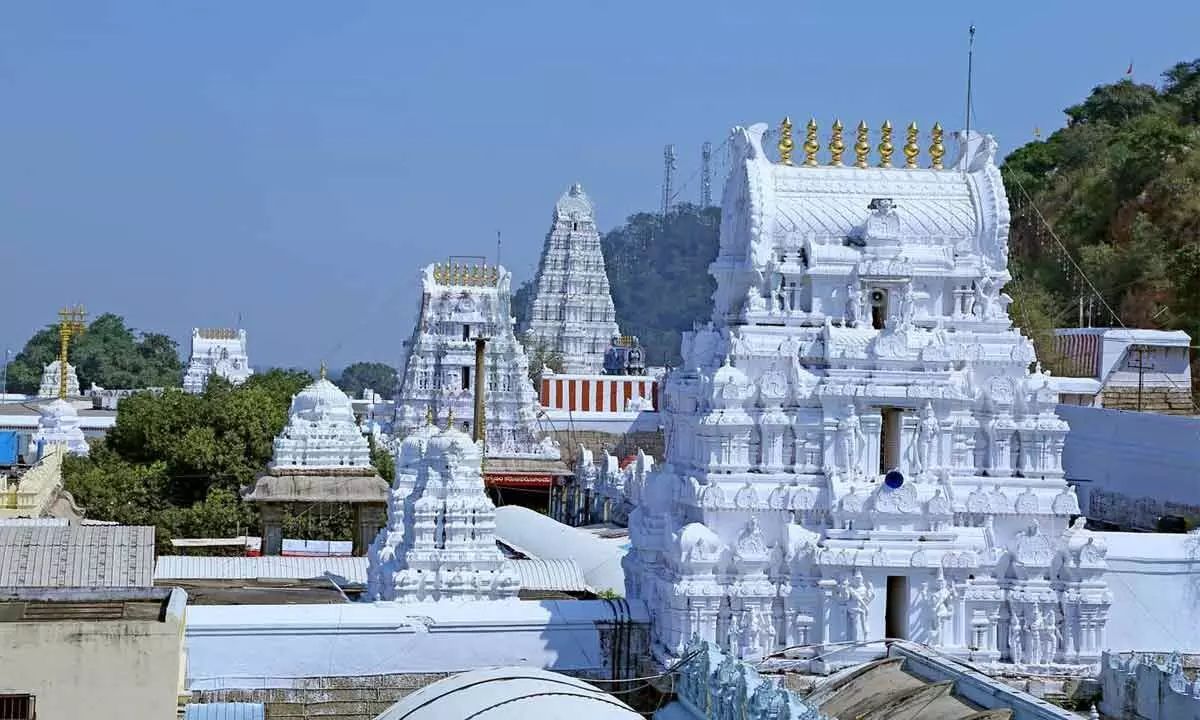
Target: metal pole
[
  {"x": 1141, "y": 375},
  {"x": 4, "y": 395},
  {"x": 970, "y": 70},
  {"x": 478, "y": 423}
]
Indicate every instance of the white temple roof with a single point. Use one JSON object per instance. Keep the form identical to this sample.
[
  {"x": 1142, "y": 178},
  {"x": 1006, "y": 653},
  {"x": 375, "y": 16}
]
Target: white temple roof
[
  {"x": 537, "y": 535},
  {"x": 322, "y": 399},
  {"x": 574, "y": 203},
  {"x": 504, "y": 693}
]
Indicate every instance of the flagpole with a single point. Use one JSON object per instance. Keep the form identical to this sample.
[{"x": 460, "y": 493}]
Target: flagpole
[{"x": 970, "y": 72}]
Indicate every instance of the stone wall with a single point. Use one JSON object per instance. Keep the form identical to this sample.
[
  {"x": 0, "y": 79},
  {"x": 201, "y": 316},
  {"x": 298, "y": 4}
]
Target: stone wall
[
  {"x": 1156, "y": 400},
  {"x": 1145, "y": 687},
  {"x": 622, "y": 445}
]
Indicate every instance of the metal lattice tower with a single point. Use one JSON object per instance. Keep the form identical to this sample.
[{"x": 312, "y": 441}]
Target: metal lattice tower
[
  {"x": 668, "y": 179},
  {"x": 706, "y": 175}
]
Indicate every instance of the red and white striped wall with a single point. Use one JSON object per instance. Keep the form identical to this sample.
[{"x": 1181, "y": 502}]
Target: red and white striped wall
[
  {"x": 1081, "y": 351},
  {"x": 596, "y": 393}
]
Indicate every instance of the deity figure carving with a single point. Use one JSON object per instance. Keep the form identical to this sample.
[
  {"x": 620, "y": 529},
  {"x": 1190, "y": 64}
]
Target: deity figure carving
[
  {"x": 853, "y": 440},
  {"x": 908, "y": 306},
  {"x": 751, "y": 633},
  {"x": 1052, "y": 636},
  {"x": 857, "y": 594},
  {"x": 986, "y": 297},
  {"x": 1016, "y": 638},
  {"x": 1036, "y": 629},
  {"x": 755, "y": 302},
  {"x": 940, "y": 606},
  {"x": 854, "y": 305},
  {"x": 928, "y": 432},
  {"x": 734, "y": 633}
]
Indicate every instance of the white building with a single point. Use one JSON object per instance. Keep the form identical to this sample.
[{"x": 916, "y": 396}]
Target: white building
[
  {"x": 216, "y": 350},
  {"x": 1126, "y": 369},
  {"x": 320, "y": 460},
  {"x": 572, "y": 311},
  {"x": 440, "y": 539},
  {"x": 49, "y": 386},
  {"x": 59, "y": 424},
  {"x": 458, "y": 305},
  {"x": 857, "y": 448}
]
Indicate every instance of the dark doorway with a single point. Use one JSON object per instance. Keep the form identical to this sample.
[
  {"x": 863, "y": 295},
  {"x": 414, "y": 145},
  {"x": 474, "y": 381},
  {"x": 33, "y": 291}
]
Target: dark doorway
[
  {"x": 896, "y": 618},
  {"x": 890, "y": 429},
  {"x": 879, "y": 303}
]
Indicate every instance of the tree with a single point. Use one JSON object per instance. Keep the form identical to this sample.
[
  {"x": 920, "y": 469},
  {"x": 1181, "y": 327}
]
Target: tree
[
  {"x": 1117, "y": 188},
  {"x": 377, "y": 376},
  {"x": 383, "y": 460},
  {"x": 108, "y": 354},
  {"x": 179, "y": 461},
  {"x": 540, "y": 357}
]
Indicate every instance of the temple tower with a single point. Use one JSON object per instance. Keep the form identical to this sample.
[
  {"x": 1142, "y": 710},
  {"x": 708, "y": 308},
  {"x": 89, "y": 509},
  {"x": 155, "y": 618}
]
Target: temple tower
[
  {"x": 460, "y": 303},
  {"x": 216, "y": 350},
  {"x": 572, "y": 311},
  {"x": 860, "y": 445},
  {"x": 440, "y": 539}
]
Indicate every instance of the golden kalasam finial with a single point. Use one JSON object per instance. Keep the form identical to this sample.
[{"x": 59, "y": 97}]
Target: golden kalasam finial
[
  {"x": 428, "y": 414},
  {"x": 885, "y": 144},
  {"x": 937, "y": 151},
  {"x": 811, "y": 145},
  {"x": 450, "y": 418},
  {"x": 836, "y": 147},
  {"x": 785, "y": 141},
  {"x": 478, "y": 276},
  {"x": 862, "y": 144},
  {"x": 324, "y": 370},
  {"x": 911, "y": 149}
]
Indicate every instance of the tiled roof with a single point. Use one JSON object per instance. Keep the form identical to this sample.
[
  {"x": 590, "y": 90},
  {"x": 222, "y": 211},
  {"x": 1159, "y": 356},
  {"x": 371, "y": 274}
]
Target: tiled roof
[{"x": 93, "y": 556}]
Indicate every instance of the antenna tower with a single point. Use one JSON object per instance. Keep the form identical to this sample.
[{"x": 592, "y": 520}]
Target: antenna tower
[
  {"x": 668, "y": 179},
  {"x": 706, "y": 175}
]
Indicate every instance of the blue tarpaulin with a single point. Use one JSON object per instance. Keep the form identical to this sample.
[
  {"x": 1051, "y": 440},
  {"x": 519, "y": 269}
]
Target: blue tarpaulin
[{"x": 8, "y": 447}]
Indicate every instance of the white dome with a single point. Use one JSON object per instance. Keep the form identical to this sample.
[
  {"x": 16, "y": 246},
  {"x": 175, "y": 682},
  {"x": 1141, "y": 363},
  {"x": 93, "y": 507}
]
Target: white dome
[
  {"x": 58, "y": 409},
  {"x": 509, "y": 693},
  {"x": 574, "y": 204},
  {"x": 321, "y": 401}
]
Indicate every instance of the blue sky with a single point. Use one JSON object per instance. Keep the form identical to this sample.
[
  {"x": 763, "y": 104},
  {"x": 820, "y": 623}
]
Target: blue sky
[{"x": 297, "y": 162}]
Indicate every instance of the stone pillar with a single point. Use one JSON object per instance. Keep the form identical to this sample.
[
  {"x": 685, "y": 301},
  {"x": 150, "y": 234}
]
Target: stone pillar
[
  {"x": 271, "y": 515},
  {"x": 368, "y": 519}
]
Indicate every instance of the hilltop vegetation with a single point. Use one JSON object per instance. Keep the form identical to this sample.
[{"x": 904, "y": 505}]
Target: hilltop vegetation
[{"x": 1120, "y": 187}]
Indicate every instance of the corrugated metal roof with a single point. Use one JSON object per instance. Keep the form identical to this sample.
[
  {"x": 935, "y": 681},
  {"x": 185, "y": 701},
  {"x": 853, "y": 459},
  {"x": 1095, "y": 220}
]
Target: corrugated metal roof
[
  {"x": 182, "y": 567},
  {"x": 561, "y": 575},
  {"x": 109, "y": 556},
  {"x": 224, "y": 711}
]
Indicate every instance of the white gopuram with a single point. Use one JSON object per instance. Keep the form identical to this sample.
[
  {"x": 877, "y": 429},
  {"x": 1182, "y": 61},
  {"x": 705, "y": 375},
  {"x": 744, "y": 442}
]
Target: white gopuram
[
  {"x": 440, "y": 539},
  {"x": 572, "y": 311},
  {"x": 58, "y": 424},
  {"x": 49, "y": 386},
  {"x": 458, "y": 305},
  {"x": 857, "y": 448},
  {"x": 220, "y": 351}
]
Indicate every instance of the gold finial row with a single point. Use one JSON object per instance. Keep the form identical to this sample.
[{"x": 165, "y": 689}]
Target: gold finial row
[
  {"x": 217, "y": 333},
  {"x": 463, "y": 274},
  {"x": 862, "y": 145}
]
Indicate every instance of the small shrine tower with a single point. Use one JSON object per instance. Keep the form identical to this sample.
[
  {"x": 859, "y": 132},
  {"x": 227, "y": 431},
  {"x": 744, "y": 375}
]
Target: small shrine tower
[
  {"x": 321, "y": 460},
  {"x": 440, "y": 539}
]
